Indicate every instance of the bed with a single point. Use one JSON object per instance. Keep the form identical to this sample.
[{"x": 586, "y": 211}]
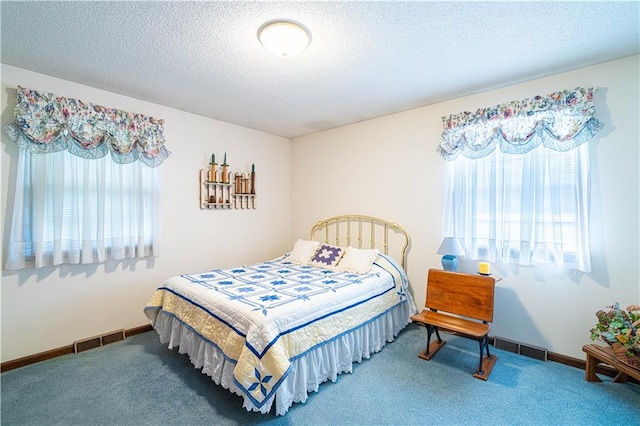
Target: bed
[{"x": 272, "y": 332}]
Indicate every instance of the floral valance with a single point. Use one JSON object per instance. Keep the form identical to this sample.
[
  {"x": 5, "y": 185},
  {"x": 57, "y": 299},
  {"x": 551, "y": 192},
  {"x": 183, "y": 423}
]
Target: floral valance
[
  {"x": 560, "y": 121},
  {"x": 46, "y": 123}
]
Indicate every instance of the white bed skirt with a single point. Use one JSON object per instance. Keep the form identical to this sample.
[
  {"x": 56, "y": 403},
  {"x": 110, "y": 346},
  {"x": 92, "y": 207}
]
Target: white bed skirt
[{"x": 307, "y": 373}]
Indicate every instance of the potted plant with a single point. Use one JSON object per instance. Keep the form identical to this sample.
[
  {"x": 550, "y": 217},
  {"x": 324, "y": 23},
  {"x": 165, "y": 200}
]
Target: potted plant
[{"x": 621, "y": 330}]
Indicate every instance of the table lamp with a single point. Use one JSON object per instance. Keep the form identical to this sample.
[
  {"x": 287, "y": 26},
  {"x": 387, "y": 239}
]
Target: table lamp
[{"x": 450, "y": 248}]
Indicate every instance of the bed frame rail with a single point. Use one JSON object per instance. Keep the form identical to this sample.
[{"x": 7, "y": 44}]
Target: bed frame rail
[{"x": 356, "y": 230}]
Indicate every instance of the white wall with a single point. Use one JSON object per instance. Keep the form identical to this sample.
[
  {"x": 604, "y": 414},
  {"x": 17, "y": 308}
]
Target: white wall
[
  {"x": 48, "y": 308},
  {"x": 385, "y": 167},
  {"x": 388, "y": 167}
]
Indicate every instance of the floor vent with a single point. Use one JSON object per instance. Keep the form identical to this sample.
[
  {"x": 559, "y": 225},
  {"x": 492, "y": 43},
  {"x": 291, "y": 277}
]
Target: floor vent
[
  {"x": 86, "y": 344},
  {"x": 520, "y": 348},
  {"x": 96, "y": 342}
]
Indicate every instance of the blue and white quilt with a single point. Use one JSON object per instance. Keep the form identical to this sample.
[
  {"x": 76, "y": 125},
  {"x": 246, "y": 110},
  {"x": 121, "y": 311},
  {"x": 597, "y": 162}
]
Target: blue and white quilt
[{"x": 263, "y": 316}]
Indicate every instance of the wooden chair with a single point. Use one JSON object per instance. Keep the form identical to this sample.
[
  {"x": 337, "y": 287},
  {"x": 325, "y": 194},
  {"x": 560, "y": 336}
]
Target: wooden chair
[{"x": 462, "y": 303}]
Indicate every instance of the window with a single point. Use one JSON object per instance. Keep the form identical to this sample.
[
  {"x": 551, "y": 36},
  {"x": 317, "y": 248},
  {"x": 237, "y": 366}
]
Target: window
[
  {"x": 527, "y": 209},
  {"x": 517, "y": 182},
  {"x": 87, "y": 183},
  {"x": 75, "y": 210}
]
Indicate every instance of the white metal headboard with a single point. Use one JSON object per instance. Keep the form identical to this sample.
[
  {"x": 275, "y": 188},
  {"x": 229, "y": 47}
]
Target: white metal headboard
[{"x": 341, "y": 231}]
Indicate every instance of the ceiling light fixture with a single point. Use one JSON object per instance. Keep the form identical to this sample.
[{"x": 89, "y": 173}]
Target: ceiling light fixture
[{"x": 284, "y": 38}]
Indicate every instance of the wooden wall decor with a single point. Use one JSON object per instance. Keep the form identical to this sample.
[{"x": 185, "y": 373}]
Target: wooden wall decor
[{"x": 218, "y": 192}]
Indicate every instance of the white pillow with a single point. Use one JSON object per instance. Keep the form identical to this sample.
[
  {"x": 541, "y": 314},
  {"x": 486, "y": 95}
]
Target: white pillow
[
  {"x": 302, "y": 251},
  {"x": 359, "y": 261}
]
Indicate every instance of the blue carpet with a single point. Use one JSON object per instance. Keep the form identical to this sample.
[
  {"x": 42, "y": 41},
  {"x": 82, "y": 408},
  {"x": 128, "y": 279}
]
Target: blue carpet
[{"x": 140, "y": 382}]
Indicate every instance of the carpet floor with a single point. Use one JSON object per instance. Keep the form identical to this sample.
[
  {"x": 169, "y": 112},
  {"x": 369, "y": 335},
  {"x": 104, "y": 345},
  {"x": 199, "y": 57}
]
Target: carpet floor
[{"x": 139, "y": 381}]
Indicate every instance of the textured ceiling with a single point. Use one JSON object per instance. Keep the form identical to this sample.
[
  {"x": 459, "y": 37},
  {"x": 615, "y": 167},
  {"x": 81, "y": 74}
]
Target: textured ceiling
[{"x": 366, "y": 59}]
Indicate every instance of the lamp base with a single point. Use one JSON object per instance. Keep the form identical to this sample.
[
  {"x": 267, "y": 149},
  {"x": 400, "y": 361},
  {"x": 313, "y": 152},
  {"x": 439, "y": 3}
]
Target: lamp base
[{"x": 449, "y": 262}]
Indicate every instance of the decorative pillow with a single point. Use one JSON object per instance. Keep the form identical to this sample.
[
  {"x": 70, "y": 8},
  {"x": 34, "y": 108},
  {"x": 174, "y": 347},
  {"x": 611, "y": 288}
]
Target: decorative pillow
[
  {"x": 359, "y": 261},
  {"x": 302, "y": 251},
  {"x": 327, "y": 256}
]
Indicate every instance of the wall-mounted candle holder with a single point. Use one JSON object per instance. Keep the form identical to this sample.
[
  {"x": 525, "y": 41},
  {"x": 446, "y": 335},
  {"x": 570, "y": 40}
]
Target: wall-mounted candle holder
[{"x": 217, "y": 191}]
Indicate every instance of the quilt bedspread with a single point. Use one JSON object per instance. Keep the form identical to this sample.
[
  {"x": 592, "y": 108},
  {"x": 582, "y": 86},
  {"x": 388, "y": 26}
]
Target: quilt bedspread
[{"x": 263, "y": 316}]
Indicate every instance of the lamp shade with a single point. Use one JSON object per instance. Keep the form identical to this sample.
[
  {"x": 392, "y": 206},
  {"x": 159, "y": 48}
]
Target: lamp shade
[
  {"x": 284, "y": 38},
  {"x": 452, "y": 246}
]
